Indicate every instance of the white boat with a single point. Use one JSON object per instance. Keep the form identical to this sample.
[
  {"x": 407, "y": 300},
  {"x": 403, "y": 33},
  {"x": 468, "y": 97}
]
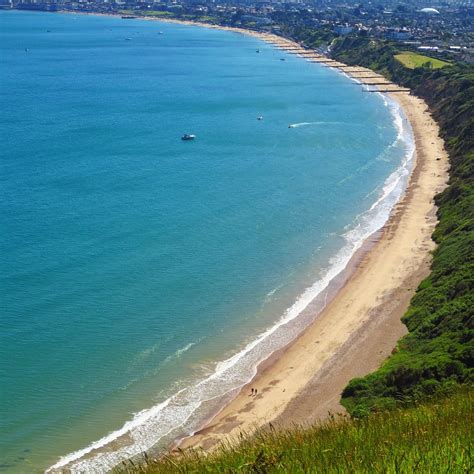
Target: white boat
[{"x": 187, "y": 137}]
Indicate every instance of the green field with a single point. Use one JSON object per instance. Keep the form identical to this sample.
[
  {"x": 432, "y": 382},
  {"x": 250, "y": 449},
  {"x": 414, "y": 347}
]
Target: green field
[
  {"x": 432, "y": 437},
  {"x": 153, "y": 13},
  {"x": 414, "y": 60}
]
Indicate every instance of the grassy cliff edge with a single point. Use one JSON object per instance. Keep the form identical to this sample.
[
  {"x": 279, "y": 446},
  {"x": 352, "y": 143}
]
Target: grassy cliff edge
[{"x": 434, "y": 436}]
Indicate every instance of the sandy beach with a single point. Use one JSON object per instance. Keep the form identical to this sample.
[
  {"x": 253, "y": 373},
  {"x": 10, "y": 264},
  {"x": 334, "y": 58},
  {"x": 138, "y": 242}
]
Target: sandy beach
[{"x": 360, "y": 327}]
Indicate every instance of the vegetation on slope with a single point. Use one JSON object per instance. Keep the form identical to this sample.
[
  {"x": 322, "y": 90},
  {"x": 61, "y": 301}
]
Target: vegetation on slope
[
  {"x": 413, "y": 60},
  {"x": 434, "y": 437},
  {"x": 438, "y": 352}
]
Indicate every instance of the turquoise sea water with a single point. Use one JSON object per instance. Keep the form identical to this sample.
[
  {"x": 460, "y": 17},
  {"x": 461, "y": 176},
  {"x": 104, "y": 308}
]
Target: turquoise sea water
[{"x": 135, "y": 266}]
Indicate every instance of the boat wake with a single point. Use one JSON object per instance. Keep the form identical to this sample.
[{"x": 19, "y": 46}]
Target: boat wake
[{"x": 305, "y": 124}]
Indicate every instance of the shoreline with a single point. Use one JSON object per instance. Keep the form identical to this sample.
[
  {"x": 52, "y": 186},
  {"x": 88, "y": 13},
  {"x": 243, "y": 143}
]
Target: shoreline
[
  {"x": 366, "y": 331},
  {"x": 306, "y": 371}
]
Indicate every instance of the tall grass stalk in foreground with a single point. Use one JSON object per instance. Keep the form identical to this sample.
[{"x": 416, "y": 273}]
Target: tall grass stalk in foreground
[{"x": 431, "y": 437}]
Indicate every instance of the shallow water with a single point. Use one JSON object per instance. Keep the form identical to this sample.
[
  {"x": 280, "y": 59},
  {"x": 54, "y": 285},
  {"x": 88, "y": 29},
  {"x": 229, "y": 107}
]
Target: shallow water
[{"x": 133, "y": 264}]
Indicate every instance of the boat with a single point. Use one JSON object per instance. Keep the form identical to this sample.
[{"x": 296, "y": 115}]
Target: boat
[
  {"x": 282, "y": 59},
  {"x": 257, "y": 51},
  {"x": 160, "y": 33},
  {"x": 187, "y": 137},
  {"x": 128, "y": 39},
  {"x": 129, "y": 17}
]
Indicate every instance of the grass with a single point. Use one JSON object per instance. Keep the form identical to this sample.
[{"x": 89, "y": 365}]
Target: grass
[
  {"x": 153, "y": 13},
  {"x": 413, "y": 60},
  {"x": 431, "y": 437},
  {"x": 157, "y": 13}
]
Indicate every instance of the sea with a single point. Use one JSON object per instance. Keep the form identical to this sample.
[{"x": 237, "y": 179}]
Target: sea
[{"x": 143, "y": 277}]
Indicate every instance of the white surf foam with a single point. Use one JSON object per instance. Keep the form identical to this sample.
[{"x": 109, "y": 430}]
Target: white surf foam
[
  {"x": 184, "y": 349},
  {"x": 178, "y": 353},
  {"x": 305, "y": 124},
  {"x": 149, "y": 426}
]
